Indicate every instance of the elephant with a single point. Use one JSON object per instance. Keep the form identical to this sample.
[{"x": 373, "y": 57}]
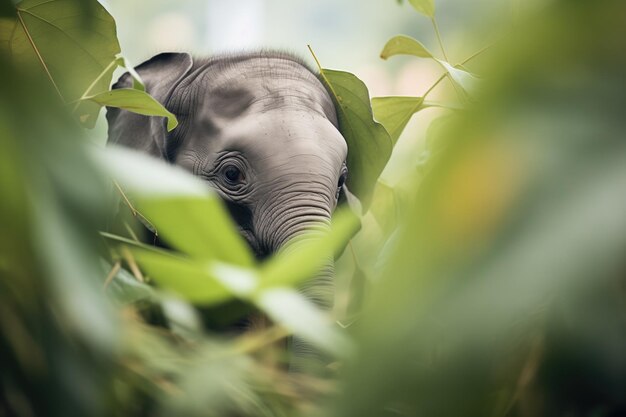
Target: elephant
[{"x": 260, "y": 128}]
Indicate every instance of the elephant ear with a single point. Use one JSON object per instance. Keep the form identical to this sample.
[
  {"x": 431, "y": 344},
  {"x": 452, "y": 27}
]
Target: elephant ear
[{"x": 161, "y": 75}]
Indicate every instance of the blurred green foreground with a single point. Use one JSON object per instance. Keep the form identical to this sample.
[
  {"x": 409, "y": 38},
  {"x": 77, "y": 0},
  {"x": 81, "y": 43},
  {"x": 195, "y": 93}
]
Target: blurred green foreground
[{"x": 493, "y": 285}]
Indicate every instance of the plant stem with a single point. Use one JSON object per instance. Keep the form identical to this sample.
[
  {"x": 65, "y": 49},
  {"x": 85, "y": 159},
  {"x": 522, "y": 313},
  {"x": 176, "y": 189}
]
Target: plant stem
[
  {"x": 112, "y": 274},
  {"x": 432, "y": 87},
  {"x": 475, "y": 54},
  {"x": 436, "y": 27},
  {"x": 465, "y": 61}
]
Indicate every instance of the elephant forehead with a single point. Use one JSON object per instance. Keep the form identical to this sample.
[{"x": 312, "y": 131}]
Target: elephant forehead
[
  {"x": 293, "y": 135},
  {"x": 262, "y": 84}
]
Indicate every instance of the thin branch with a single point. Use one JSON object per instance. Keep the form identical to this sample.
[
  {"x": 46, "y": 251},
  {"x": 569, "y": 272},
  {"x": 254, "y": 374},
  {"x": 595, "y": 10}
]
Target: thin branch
[
  {"x": 112, "y": 274},
  {"x": 130, "y": 260},
  {"x": 93, "y": 84},
  {"x": 133, "y": 210},
  {"x": 479, "y": 52},
  {"x": 432, "y": 87},
  {"x": 436, "y": 27}
]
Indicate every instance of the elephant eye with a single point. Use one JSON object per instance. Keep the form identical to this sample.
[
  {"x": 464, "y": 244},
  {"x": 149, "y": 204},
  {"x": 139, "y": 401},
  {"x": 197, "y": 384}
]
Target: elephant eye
[
  {"x": 342, "y": 178},
  {"x": 232, "y": 174}
]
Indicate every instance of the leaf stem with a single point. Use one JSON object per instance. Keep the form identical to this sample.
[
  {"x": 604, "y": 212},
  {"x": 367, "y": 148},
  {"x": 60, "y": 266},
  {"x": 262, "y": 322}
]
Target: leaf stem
[
  {"x": 43, "y": 63},
  {"x": 465, "y": 61},
  {"x": 85, "y": 95},
  {"x": 436, "y": 27}
]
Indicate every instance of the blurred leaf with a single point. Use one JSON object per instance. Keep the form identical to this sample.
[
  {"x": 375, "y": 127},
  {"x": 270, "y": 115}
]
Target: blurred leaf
[
  {"x": 404, "y": 45},
  {"x": 181, "y": 317},
  {"x": 369, "y": 144},
  {"x": 47, "y": 36},
  {"x": 189, "y": 279},
  {"x": 7, "y": 9},
  {"x": 394, "y": 113},
  {"x": 185, "y": 211},
  {"x": 292, "y": 310},
  {"x": 384, "y": 207},
  {"x": 426, "y": 7},
  {"x": 136, "y": 101},
  {"x": 199, "y": 227}
]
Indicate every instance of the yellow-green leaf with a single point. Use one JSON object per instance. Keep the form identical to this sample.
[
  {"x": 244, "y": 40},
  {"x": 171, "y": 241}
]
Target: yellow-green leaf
[
  {"x": 394, "y": 113},
  {"x": 405, "y": 45},
  {"x": 136, "y": 101},
  {"x": 425, "y": 7}
]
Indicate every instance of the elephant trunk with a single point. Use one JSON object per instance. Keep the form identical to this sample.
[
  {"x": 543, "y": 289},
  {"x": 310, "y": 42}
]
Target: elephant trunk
[
  {"x": 302, "y": 217},
  {"x": 287, "y": 221}
]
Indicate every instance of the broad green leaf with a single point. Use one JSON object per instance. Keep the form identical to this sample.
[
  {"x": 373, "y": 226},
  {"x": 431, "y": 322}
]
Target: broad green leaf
[
  {"x": 187, "y": 278},
  {"x": 404, "y": 45},
  {"x": 369, "y": 144},
  {"x": 185, "y": 211},
  {"x": 394, "y": 113},
  {"x": 196, "y": 226},
  {"x": 136, "y": 101},
  {"x": 426, "y": 7},
  {"x": 78, "y": 59}
]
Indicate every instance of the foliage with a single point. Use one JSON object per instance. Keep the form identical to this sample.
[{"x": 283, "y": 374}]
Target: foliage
[
  {"x": 369, "y": 143},
  {"x": 489, "y": 282}
]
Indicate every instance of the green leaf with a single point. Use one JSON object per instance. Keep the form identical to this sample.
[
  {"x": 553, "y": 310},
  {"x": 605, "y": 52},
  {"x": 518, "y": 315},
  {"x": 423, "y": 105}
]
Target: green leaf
[
  {"x": 384, "y": 207},
  {"x": 77, "y": 58},
  {"x": 136, "y": 101},
  {"x": 405, "y": 45},
  {"x": 185, "y": 211},
  {"x": 198, "y": 226},
  {"x": 425, "y": 7},
  {"x": 369, "y": 144},
  {"x": 188, "y": 278},
  {"x": 394, "y": 113}
]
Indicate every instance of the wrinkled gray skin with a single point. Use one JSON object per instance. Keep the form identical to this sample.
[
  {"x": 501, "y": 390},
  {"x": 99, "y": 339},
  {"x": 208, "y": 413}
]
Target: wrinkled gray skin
[{"x": 260, "y": 128}]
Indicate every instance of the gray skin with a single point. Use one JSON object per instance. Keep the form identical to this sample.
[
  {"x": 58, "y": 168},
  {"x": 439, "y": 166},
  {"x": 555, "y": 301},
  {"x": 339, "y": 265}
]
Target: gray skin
[{"x": 260, "y": 128}]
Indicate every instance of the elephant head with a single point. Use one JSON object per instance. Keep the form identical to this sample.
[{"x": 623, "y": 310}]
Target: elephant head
[{"x": 260, "y": 128}]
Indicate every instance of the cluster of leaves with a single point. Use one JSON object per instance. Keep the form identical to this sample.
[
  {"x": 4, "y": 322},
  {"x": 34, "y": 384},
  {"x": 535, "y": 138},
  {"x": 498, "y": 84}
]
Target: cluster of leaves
[{"x": 495, "y": 288}]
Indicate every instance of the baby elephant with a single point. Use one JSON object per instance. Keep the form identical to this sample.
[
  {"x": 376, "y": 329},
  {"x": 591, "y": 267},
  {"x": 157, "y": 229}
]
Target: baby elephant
[{"x": 260, "y": 128}]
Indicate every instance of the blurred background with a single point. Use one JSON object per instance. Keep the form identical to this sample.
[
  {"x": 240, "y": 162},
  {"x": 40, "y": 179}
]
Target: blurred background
[
  {"x": 488, "y": 278},
  {"x": 347, "y": 35}
]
